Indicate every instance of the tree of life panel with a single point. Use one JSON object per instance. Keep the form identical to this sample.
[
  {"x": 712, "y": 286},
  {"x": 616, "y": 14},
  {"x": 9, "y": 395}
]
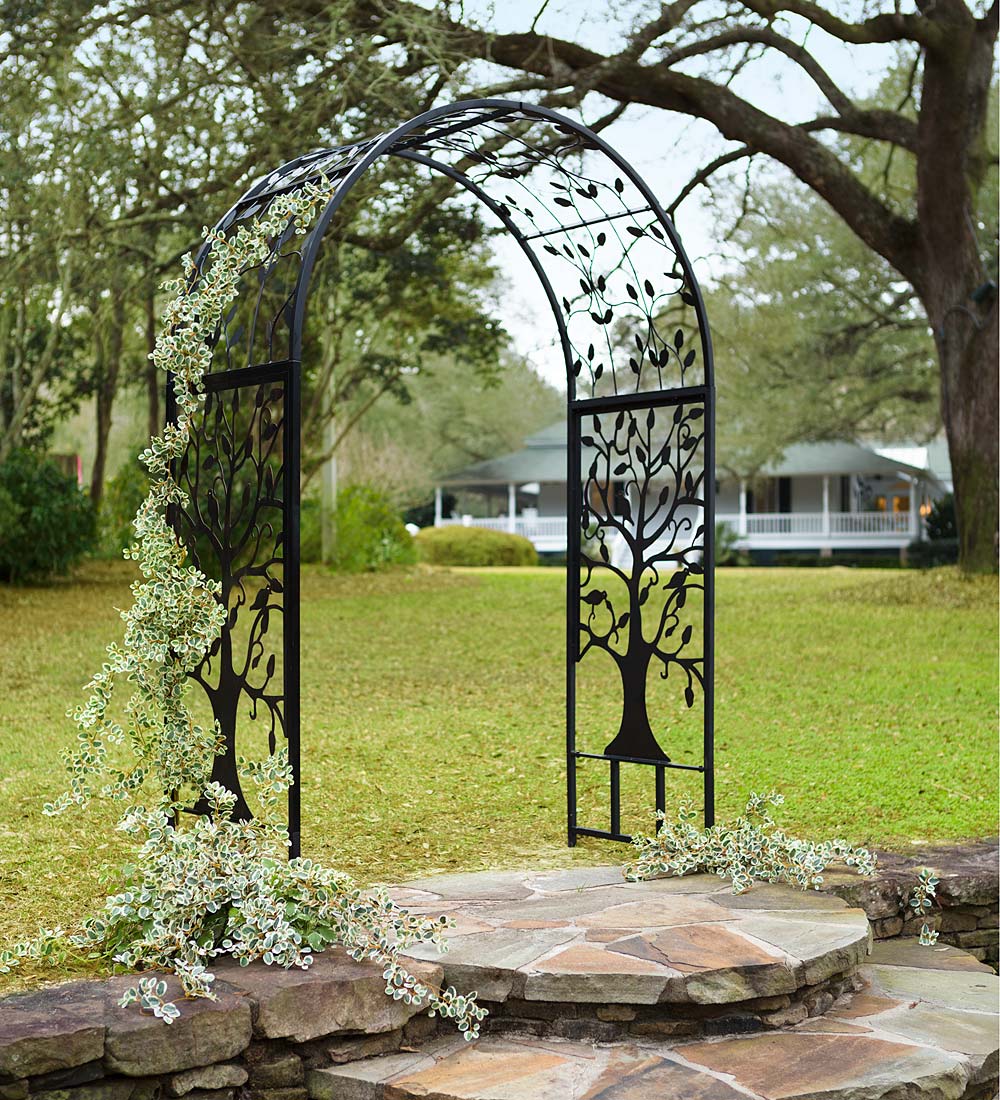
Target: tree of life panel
[
  {"x": 641, "y": 655},
  {"x": 234, "y": 524}
]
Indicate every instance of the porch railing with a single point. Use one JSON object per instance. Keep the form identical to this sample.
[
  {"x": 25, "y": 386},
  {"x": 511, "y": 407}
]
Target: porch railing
[
  {"x": 832, "y": 524},
  {"x": 767, "y": 527}
]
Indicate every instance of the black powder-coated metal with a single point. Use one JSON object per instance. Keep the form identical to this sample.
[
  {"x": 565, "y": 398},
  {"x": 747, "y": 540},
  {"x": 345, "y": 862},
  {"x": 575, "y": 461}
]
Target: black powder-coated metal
[{"x": 631, "y": 326}]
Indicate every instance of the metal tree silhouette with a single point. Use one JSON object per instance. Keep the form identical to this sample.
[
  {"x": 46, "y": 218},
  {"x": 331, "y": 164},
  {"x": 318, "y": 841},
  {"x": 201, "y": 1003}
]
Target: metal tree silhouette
[
  {"x": 233, "y": 474},
  {"x": 643, "y": 512}
]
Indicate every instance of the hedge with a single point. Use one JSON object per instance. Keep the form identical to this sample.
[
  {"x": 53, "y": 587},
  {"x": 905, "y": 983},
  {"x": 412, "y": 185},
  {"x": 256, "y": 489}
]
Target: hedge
[{"x": 455, "y": 545}]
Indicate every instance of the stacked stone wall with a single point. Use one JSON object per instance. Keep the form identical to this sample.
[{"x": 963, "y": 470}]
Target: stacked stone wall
[{"x": 966, "y": 907}]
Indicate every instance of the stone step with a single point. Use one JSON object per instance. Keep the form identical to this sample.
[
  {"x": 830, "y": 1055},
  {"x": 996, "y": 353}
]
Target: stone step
[
  {"x": 923, "y": 1025},
  {"x": 583, "y": 953}
]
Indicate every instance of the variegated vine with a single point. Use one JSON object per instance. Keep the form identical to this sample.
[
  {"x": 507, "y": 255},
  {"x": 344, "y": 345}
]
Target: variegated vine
[
  {"x": 217, "y": 886},
  {"x": 751, "y": 848}
]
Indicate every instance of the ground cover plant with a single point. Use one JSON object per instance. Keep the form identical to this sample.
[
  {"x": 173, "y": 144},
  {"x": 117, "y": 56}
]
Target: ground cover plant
[{"x": 433, "y": 721}]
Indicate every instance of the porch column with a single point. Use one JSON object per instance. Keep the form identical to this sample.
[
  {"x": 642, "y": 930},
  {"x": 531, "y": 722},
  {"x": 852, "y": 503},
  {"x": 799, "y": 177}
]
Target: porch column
[
  {"x": 742, "y": 525},
  {"x": 914, "y": 518},
  {"x": 511, "y": 507},
  {"x": 437, "y": 506},
  {"x": 826, "y": 506}
]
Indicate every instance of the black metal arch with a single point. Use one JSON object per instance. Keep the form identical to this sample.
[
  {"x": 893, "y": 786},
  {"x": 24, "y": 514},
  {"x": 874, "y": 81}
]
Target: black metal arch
[{"x": 640, "y": 460}]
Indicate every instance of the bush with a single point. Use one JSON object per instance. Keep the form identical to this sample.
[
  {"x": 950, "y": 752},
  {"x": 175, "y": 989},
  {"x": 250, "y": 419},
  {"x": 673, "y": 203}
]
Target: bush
[
  {"x": 922, "y": 554},
  {"x": 859, "y": 560},
  {"x": 456, "y": 545},
  {"x": 310, "y": 531},
  {"x": 940, "y": 523},
  {"x": 726, "y": 551},
  {"x": 369, "y": 533},
  {"x": 122, "y": 496},
  {"x": 47, "y": 523}
]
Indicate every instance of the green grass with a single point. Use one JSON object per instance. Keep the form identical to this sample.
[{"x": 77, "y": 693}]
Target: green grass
[{"x": 433, "y": 720}]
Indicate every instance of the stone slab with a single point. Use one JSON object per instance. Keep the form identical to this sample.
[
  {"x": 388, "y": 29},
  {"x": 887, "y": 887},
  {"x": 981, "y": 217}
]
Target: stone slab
[
  {"x": 969, "y": 874},
  {"x": 588, "y": 973},
  {"x": 491, "y": 964},
  {"x": 657, "y": 913},
  {"x": 526, "y": 1069},
  {"x": 334, "y": 995},
  {"x": 578, "y": 878},
  {"x": 225, "y": 1076},
  {"x": 362, "y": 1080},
  {"x": 949, "y": 1029},
  {"x": 814, "y": 1062},
  {"x": 823, "y": 949},
  {"x": 861, "y": 1005},
  {"x": 474, "y": 886},
  {"x": 969, "y": 990},
  {"x": 804, "y": 1066},
  {"x": 137, "y": 1045},
  {"x": 768, "y": 895},
  {"x": 51, "y": 1029},
  {"x": 771, "y": 941},
  {"x": 912, "y": 953}
]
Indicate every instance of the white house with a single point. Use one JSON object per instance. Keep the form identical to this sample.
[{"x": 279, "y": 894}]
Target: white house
[{"x": 824, "y": 497}]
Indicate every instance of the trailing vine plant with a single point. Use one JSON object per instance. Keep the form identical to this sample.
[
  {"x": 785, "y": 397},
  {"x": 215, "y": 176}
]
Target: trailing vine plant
[
  {"x": 748, "y": 849},
  {"x": 216, "y": 886},
  {"x": 921, "y": 902}
]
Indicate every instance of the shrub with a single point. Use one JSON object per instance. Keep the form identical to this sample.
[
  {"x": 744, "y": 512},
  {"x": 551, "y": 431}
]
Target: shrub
[
  {"x": 922, "y": 554},
  {"x": 48, "y": 524},
  {"x": 369, "y": 534},
  {"x": 747, "y": 850},
  {"x": 455, "y": 545},
  {"x": 940, "y": 522},
  {"x": 726, "y": 552},
  {"x": 310, "y": 530}
]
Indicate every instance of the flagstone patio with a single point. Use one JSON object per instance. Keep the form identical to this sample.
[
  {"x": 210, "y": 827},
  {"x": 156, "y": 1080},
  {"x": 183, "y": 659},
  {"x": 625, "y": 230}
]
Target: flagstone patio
[
  {"x": 678, "y": 990},
  {"x": 674, "y": 956}
]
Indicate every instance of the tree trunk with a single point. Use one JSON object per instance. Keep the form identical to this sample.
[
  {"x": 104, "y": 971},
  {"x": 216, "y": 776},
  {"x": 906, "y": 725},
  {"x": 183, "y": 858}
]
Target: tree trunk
[
  {"x": 967, "y": 350},
  {"x": 635, "y": 735},
  {"x": 951, "y": 164},
  {"x": 109, "y": 366}
]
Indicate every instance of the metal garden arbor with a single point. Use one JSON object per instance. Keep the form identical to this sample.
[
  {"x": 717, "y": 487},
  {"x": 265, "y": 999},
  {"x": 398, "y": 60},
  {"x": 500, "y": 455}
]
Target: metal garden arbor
[{"x": 641, "y": 482}]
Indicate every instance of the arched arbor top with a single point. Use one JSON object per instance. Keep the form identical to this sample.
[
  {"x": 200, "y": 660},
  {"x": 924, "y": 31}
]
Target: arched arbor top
[{"x": 627, "y": 307}]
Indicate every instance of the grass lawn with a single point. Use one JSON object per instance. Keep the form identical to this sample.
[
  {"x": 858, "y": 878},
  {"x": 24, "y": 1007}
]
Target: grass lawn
[{"x": 433, "y": 720}]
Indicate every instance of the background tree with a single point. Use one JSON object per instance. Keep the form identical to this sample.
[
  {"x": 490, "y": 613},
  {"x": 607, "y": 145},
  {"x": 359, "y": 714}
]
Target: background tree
[
  {"x": 816, "y": 337},
  {"x": 686, "y": 56},
  {"x": 443, "y": 423},
  {"x": 161, "y": 115}
]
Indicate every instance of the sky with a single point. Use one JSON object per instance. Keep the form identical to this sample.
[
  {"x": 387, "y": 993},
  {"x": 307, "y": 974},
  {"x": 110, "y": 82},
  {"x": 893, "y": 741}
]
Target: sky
[{"x": 666, "y": 149}]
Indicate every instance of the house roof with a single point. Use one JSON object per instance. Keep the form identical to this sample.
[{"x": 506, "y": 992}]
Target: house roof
[
  {"x": 803, "y": 459},
  {"x": 543, "y": 459}
]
